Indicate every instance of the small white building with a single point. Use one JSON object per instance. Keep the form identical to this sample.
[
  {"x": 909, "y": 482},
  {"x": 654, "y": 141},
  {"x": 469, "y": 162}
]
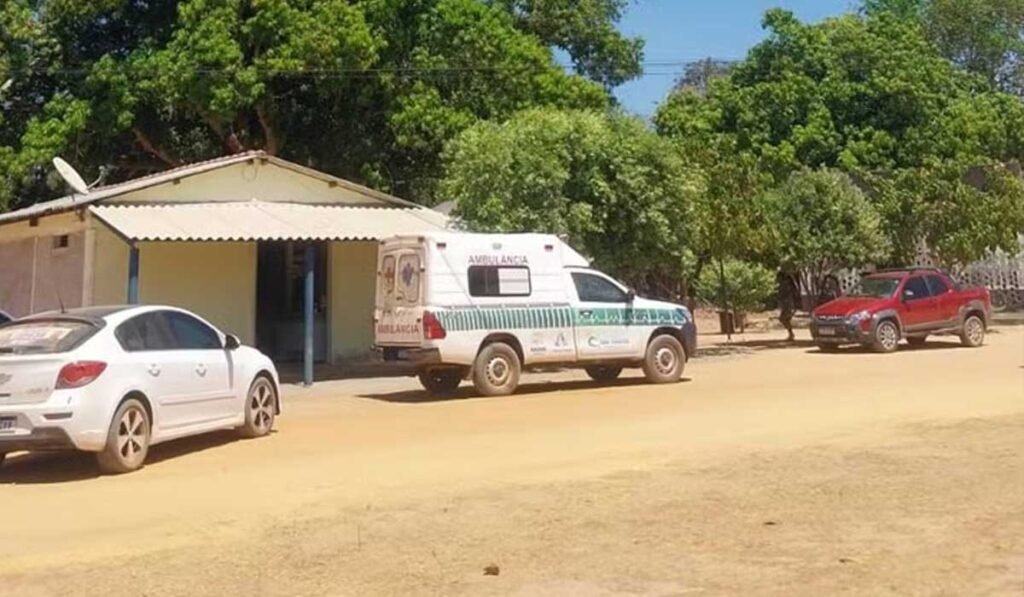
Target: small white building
[{"x": 235, "y": 239}]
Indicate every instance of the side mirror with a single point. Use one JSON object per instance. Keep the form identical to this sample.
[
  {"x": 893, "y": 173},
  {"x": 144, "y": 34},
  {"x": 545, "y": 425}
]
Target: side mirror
[
  {"x": 231, "y": 342},
  {"x": 630, "y": 295}
]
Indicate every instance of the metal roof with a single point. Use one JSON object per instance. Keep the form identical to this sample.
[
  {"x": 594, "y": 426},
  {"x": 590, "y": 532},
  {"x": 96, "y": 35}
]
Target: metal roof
[
  {"x": 265, "y": 221},
  {"x": 72, "y": 202}
]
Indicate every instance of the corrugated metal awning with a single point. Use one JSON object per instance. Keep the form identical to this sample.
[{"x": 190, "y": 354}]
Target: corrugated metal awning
[{"x": 264, "y": 221}]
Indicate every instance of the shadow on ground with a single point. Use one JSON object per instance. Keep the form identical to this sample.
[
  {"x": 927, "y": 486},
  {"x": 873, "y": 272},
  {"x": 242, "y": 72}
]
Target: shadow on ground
[
  {"x": 466, "y": 391},
  {"x": 43, "y": 468},
  {"x": 903, "y": 348}
]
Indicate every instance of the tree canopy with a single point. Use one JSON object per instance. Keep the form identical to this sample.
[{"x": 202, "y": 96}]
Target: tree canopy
[
  {"x": 367, "y": 89},
  {"x": 618, "y": 191},
  {"x": 821, "y": 222},
  {"x": 983, "y": 36},
  {"x": 870, "y": 95}
]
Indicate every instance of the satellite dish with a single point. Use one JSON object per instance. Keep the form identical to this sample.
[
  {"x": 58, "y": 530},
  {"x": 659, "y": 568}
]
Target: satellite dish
[{"x": 71, "y": 176}]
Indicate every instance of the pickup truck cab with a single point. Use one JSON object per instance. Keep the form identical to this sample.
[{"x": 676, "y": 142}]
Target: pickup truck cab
[
  {"x": 910, "y": 304},
  {"x": 486, "y": 306}
]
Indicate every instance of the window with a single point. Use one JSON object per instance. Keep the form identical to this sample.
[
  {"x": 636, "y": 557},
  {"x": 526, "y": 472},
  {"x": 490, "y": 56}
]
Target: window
[
  {"x": 388, "y": 273},
  {"x": 492, "y": 280},
  {"x": 915, "y": 288},
  {"x": 937, "y": 285},
  {"x": 875, "y": 287},
  {"x": 409, "y": 278},
  {"x": 44, "y": 337},
  {"x": 61, "y": 242},
  {"x": 595, "y": 289},
  {"x": 148, "y": 331},
  {"x": 192, "y": 334}
]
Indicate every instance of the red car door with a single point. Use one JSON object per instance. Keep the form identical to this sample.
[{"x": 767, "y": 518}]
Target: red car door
[
  {"x": 946, "y": 303},
  {"x": 920, "y": 309}
]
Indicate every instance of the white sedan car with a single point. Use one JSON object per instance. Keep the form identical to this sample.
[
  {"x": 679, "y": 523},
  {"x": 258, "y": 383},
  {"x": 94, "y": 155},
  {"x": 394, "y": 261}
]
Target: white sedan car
[{"x": 116, "y": 380}]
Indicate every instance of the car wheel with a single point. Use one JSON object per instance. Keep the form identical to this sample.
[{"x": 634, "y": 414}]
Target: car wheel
[
  {"x": 496, "y": 370},
  {"x": 918, "y": 341},
  {"x": 973, "y": 332},
  {"x": 665, "y": 360},
  {"x": 887, "y": 337},
  {"x": 127, "y": 440},
  {"x": 260, "y": 409},
  {"x": 604, "y": 374},
  {"x": 441, "y": 382}
]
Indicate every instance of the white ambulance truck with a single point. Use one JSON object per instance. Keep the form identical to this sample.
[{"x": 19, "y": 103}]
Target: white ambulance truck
[{"x": 486, "y": 306}]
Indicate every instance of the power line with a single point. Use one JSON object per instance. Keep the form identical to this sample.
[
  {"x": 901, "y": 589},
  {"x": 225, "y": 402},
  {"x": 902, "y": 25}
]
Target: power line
[{"x": 407, "y": 70}]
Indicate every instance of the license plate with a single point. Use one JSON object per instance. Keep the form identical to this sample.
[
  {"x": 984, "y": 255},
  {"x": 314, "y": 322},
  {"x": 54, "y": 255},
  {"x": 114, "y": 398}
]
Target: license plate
[
  {"x": 826, "y": 331},
  {"x": 7, "y": 423}
]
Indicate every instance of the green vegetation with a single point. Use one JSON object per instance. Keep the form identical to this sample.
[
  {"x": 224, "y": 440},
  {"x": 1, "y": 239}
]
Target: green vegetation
[
  {"x": 831, "y": 145},
  {"x": 618, "y": 191},
  {"x": 366, "y": 89},
  {"x": 747, "y": 288}
]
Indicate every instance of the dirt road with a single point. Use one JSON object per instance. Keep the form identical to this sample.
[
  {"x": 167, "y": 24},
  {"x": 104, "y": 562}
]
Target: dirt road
[{"x": 770, "y": 471}]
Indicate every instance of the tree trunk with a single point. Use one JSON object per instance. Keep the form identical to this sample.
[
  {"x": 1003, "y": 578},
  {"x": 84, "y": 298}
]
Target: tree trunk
[{"x": 153, "y": 149}]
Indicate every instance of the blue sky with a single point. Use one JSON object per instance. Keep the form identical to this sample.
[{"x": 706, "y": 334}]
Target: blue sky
[{"x": 687, "y": 30}]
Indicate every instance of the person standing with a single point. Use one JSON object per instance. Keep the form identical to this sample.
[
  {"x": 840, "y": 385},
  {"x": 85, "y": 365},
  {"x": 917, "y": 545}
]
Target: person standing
[{"x": 789, "y": 296}]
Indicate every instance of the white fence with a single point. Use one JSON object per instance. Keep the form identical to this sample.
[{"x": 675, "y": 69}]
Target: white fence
[{"x": 1001, "y": 273}]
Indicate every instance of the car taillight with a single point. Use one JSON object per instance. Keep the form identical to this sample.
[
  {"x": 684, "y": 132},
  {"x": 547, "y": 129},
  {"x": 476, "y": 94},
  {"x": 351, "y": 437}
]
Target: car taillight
[
  {"x": 80, "y": 373},
  {"x": 432, "y": 328}
]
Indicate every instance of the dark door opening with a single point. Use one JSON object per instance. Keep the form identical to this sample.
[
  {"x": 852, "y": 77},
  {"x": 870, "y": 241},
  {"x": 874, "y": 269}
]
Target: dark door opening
[{"x": 280, "y": 302}]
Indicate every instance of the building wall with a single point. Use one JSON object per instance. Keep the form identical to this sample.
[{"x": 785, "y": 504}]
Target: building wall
[
  {"x": 109, "y": 267},
  {"x": 215, "y": 280},
  {"x": 352, "y": 276},
  {"x": 36, "y": 275},
  {"x": 247, "y": 182}
]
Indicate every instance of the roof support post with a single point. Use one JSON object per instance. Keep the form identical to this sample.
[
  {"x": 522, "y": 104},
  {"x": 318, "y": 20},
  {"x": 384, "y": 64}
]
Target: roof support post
[
  {"x": 310, "y": 268},
  {"x": 133, "y": 275}
]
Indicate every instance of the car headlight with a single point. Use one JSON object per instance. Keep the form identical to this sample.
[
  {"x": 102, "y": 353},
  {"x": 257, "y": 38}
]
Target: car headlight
[{"x": 859, "y": 316}]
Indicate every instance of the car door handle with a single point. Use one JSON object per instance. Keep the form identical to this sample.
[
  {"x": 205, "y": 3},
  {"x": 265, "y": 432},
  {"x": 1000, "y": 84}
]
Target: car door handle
[
  {"x": 154, "y": 370},
  {"x": 201, "y": 370}
]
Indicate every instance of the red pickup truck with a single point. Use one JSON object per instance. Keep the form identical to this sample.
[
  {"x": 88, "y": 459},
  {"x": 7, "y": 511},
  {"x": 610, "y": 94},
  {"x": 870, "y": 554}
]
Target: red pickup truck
[{"x": 890, "y": 305}]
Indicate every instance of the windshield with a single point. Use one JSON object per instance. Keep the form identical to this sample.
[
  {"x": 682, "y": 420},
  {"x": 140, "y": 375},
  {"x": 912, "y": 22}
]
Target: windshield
[
  {"x": 43, "y": 337},
  {"x": 875, "y": 287}
]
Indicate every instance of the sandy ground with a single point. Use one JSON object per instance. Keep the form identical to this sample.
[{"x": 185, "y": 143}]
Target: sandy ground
[{"x": 769, "y": 471}]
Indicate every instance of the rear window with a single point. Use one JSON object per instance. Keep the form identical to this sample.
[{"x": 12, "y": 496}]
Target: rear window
[
  {"x": 491, "y": 280},
  {"x": 409, "y": 278},
  {"x": 44, "y": 337}
]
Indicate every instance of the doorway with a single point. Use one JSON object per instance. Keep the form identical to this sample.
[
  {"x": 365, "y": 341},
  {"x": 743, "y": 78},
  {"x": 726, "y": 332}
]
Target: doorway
[{"x": 280, "y": 300}]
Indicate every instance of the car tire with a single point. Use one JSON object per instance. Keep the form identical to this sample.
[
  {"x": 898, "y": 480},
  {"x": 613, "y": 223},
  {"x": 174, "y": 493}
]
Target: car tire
[
  {"x": 603, "y": 374},
  {"x": 917, "y": 341},
  {"x": 665, "y": 360},
  {"x": 887, "y": 336},
  {"x": 496, "y": 370},
  {"x": 441, "y": 382},
  {"x": 127, "y": 439},
  {"x": 972, "y": 333},
  {"x": 260, "y": 409}
]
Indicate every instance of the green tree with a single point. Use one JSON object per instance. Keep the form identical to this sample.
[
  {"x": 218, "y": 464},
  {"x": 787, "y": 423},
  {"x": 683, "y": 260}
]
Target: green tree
[
  {"x": 869, "y": 95},
  {"x": 821, "y": 223},
  {"x": 748, "y": 286},
  {"x": 983, "y": 36},
  {"x": 620, "y": 193},
  {"x": 367, "y": 89}
]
